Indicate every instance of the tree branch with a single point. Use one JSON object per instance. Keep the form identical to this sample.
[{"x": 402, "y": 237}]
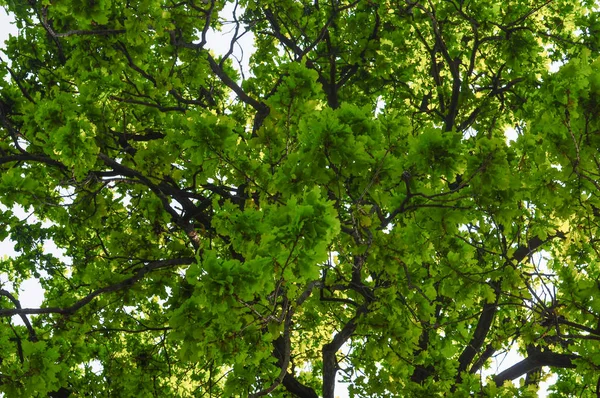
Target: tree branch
[
  {"x": 151, "y": 266},
  {"x": 17, "y": 304},
  {"x": 488, "y": 312},
  {"x": 481, "y": 330},
  {"x": 534, "y": 360},
  {"x": 184, "y": 224},
  {"x": 330, "y": 364},
  {"x": 283, "y": 354}
]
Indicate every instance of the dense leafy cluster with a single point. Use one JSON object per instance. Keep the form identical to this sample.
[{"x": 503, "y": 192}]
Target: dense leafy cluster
[{"x": 350, "y": 210}]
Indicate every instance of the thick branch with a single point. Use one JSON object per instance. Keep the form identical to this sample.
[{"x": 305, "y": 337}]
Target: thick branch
[
  {"x": 228, "y": 81},
  {"x": 290, "y": 382},
  {"x": 487, "y": 354},
  {"x": 282, "y": 351},
  {"x": 17, "y": 304},
  {"x": 284, "y": 347},
  {"x": 535, "y": 360},
  {"x": 483, "y": 327},
  {"x": 298, "y": 389},
  {"x": 330, "y": 364},
  {"x": 184, "y": 224},
  {"x": 488, "y": 313}
]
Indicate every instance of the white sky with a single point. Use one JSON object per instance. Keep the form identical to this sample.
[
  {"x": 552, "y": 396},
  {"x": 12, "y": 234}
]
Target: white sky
[{"x": 6, "y": 28}]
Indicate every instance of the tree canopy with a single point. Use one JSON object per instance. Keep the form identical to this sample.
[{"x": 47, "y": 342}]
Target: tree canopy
[{"x": 348, "y": 210}]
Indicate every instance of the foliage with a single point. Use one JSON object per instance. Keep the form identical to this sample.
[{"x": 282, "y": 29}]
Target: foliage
[{"x": 350, "y": 210}]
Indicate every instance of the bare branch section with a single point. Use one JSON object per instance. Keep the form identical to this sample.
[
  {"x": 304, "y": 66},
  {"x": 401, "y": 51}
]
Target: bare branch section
[
  {"x": 17, "y": 304},
  {"x": 140, "y": 273},
  {"x": 536, "y": 358},
  {"x": 330, "y": 363}
]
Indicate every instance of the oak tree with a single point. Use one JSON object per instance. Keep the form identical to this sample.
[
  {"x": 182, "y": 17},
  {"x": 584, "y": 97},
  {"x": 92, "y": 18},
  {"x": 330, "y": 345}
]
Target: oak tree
[{"x": 348, "y": 209}]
